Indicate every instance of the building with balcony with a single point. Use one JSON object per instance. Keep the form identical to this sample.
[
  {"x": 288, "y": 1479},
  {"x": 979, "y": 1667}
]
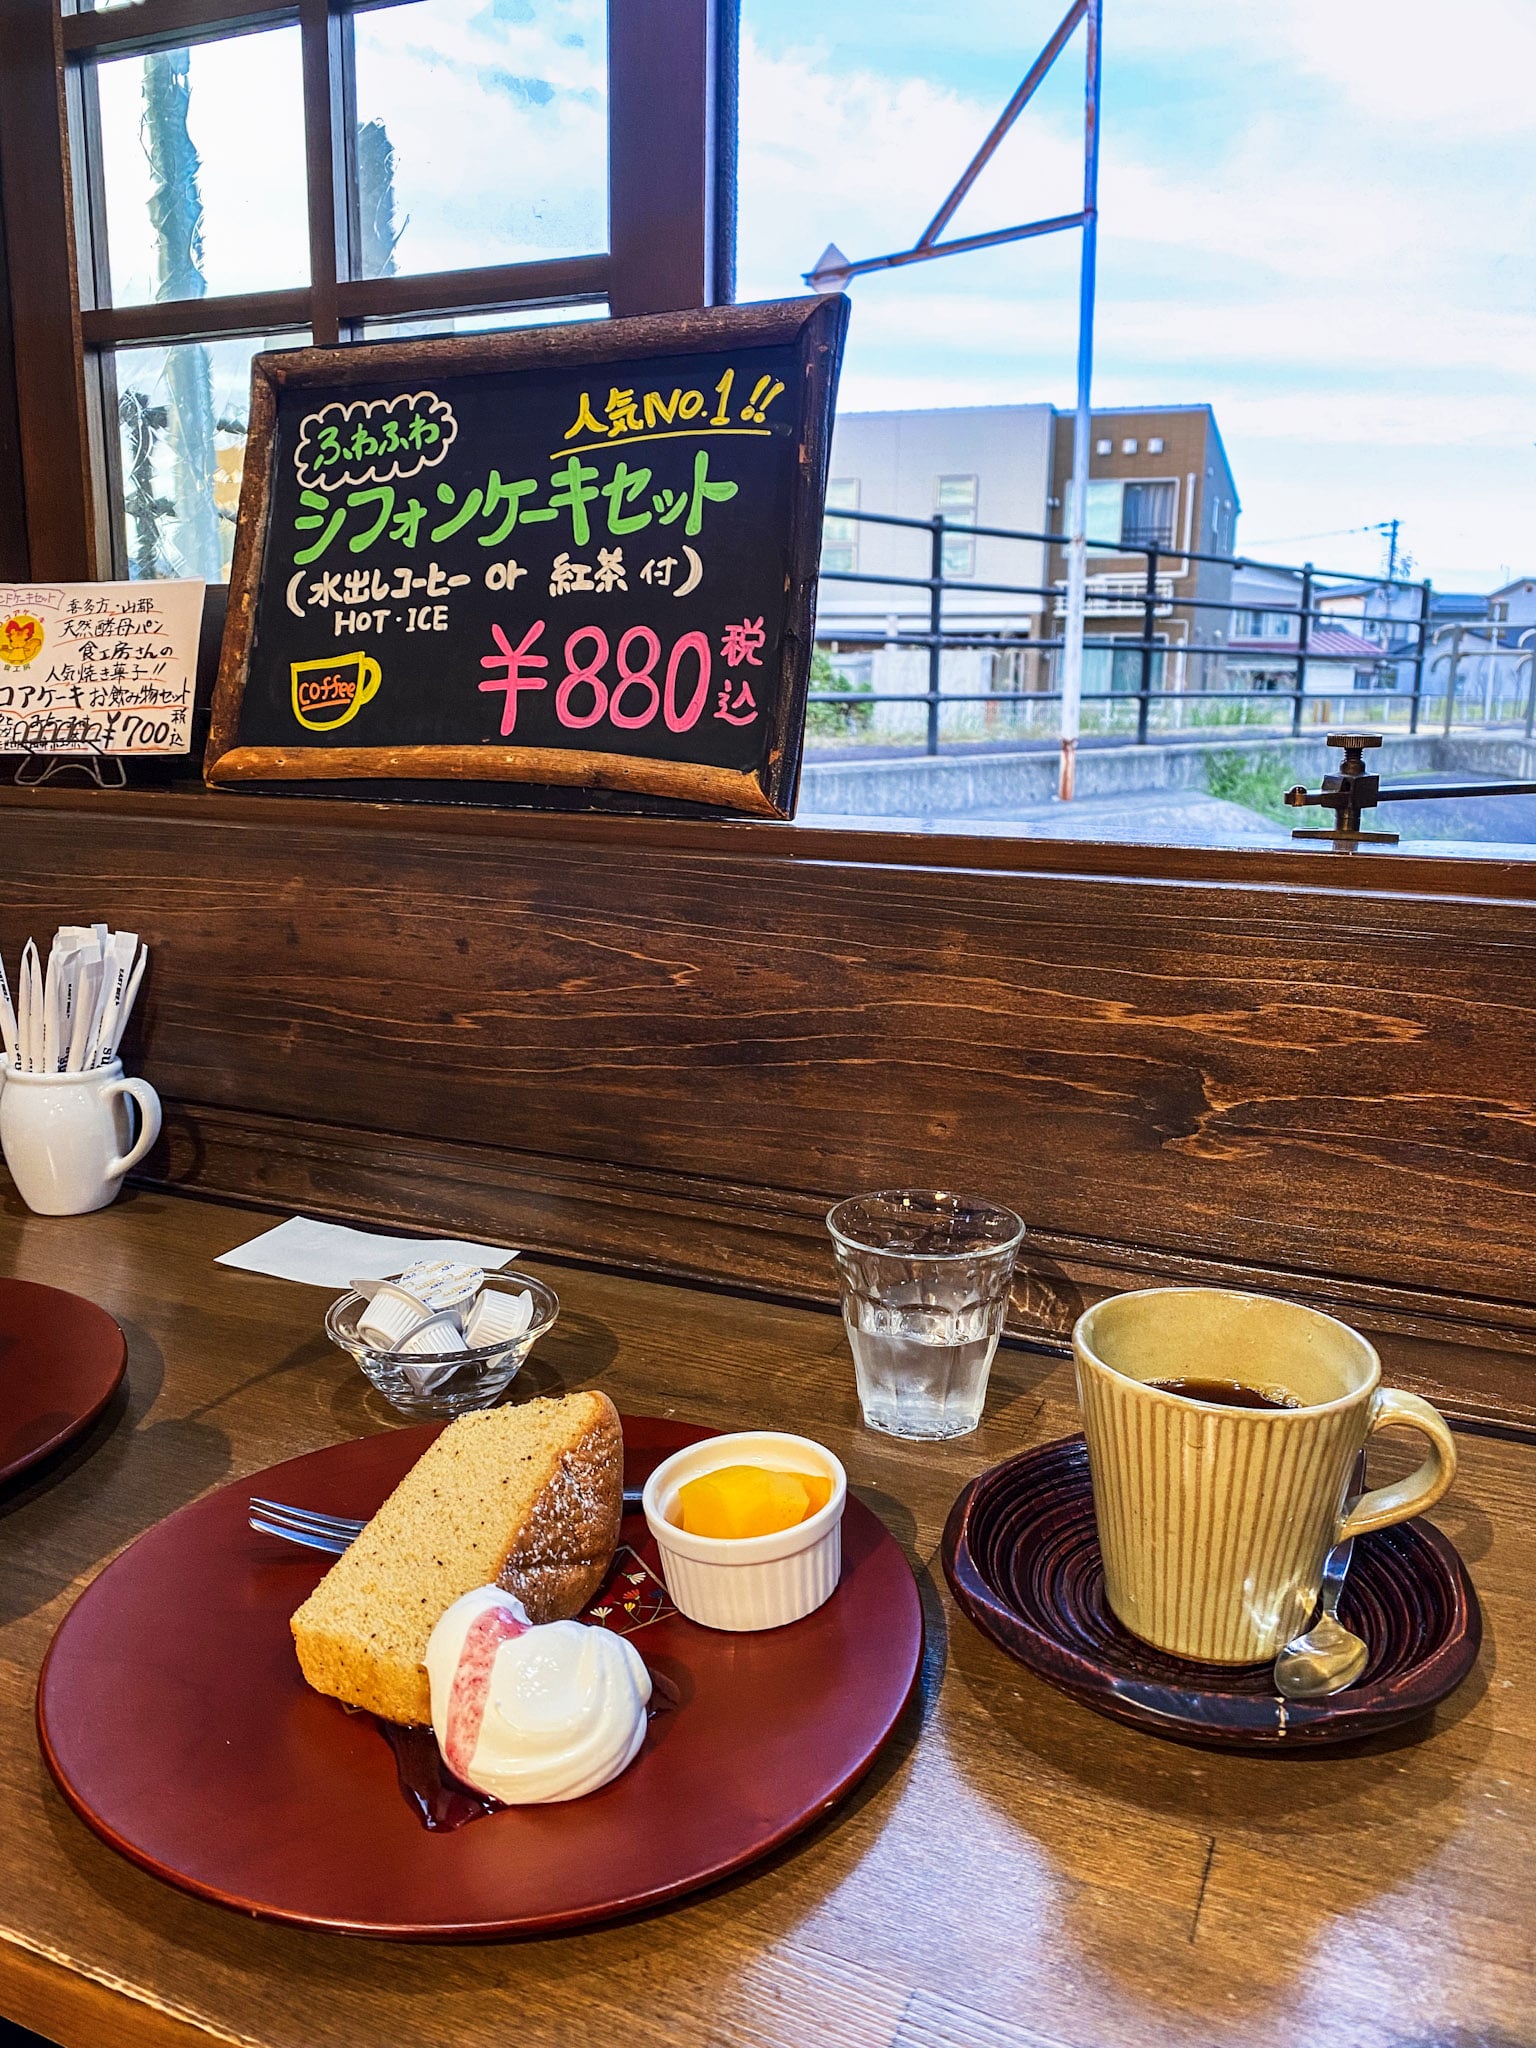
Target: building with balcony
[
  {"x": 1160, "y": 496},
  {"x": 1160, "y": 481}
]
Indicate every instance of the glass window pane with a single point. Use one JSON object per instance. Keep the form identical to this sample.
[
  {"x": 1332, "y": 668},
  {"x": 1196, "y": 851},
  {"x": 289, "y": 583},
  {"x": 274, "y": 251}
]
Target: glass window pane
[
  {"x": 1148, "y": 515},
  {"x": 482, "y": 133},
  {"x": 414, "y": 324},
  {"x": 1105, "y": 508},
  {"x": 840, "y": 537},
  {"x": 203, "y": 167},
  {"x": 182, "y": 415},
  {"x": 955, "y": 498}
]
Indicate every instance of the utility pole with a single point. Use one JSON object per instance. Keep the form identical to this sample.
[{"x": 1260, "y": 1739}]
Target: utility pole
[
  {"x": 834, "y": 271},
  {"x": 1082, "y": 431}
]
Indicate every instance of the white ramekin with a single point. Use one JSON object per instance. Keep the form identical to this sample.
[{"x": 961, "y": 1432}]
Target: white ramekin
[{"x": 749, "y": 1582}]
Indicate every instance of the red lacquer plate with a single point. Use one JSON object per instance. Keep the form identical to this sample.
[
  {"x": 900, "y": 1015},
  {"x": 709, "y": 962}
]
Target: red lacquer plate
[
  {"x": 61, "y": 1361},
  {"x": 172, "y": 1713}
]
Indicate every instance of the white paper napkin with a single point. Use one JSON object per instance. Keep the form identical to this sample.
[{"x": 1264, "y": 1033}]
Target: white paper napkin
[{"x": 331, "y": 1255}]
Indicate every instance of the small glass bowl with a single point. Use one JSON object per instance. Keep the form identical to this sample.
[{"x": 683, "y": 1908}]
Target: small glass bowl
[{"x": 435, "y": 1389}]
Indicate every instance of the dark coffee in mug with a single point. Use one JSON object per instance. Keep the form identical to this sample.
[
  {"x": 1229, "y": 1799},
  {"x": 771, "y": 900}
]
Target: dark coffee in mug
[
  {"x": 1214, "y": 1520},
  {"x": 1225, "y": 1393}
]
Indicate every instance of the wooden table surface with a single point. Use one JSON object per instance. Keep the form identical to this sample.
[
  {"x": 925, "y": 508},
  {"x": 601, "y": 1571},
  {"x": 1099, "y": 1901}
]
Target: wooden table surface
[{"x": 1016, "y": 1871}]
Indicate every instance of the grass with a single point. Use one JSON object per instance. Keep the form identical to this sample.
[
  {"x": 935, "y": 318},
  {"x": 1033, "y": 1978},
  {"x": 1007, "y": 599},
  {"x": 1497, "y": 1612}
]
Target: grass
[
  {"x": 836, "y": 721},
  {"x": 1258, "y": 784}
]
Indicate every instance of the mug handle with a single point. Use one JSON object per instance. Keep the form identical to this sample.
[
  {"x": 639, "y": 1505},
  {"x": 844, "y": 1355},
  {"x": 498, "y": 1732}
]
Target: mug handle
[
  {"x": 149, "y": 1122},
  {"x": 1392, "y": 1408}
]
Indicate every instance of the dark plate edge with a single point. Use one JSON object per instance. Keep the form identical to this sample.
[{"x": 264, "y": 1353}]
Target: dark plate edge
[
  {"x": 82, "y": 1422},
  {"x": 1153, "y": 1708},
  {"x": 487, "y": 1931}
]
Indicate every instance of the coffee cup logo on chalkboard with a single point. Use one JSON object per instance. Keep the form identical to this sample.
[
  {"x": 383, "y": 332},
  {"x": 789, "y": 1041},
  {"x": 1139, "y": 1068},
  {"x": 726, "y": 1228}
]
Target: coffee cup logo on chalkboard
[{"x": 327, "y": 693}]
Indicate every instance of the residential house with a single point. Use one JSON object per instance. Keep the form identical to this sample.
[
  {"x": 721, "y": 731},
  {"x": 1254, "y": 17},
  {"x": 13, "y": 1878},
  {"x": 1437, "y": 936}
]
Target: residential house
[
  {"x": 973, "y": 465},
  {"x": 1515, "y": 603},
  {"x": 1265, "y": 630},
  {"x": 1160, "y": 480},
  {"x": 1160, "y": 498}
]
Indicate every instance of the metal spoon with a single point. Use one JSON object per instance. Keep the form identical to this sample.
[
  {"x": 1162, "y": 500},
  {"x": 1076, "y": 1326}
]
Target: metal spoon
[{"x": 1327, "y": 1658}]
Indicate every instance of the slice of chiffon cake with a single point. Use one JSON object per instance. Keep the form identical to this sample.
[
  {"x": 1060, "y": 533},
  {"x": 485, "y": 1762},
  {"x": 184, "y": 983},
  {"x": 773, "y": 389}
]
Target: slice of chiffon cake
[{"x": 529, "y": 1498}]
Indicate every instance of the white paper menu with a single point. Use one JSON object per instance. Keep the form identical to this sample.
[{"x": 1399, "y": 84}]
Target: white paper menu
[
  {"x": 98, "y": 668},
  {"x": 333, "y": 1255}
]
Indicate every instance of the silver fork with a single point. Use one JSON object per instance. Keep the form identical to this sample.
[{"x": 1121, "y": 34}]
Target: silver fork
[{"x": 332, "y": 1533}]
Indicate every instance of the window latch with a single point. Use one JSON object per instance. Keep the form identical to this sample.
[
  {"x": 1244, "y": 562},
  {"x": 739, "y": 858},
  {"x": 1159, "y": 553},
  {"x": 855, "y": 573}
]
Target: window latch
[{"x": 1354, "y": 790}]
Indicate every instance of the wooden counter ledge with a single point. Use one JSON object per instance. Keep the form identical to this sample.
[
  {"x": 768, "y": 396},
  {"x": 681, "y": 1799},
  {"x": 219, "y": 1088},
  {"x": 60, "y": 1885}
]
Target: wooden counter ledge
[{"x": 1016, "y": 1872}]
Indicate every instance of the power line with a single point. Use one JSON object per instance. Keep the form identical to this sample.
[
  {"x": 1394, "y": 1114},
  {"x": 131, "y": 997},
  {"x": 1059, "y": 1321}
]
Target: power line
[{"x": 1336, "y": 533}]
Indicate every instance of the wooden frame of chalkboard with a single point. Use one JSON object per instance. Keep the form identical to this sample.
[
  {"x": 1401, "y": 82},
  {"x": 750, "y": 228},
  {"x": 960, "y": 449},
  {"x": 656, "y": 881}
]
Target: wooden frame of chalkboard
[{"x": 750, "y": 743}]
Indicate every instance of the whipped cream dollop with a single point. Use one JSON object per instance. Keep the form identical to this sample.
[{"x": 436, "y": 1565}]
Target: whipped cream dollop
[{"x": 533, "y": 1714}]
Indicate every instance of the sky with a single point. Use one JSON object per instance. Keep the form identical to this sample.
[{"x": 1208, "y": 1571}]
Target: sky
[
  {"x": 496, "y": 111},
  {"x": 1316, "y": 215},
  {"x": 1319, "y": 218}
]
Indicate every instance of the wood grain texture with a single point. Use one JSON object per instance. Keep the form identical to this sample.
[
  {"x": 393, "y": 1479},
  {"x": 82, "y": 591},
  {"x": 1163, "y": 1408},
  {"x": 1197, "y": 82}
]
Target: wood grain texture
[
  {"x": 38, "y": 202},
  {"x": 1296, "y": 1079},
  {"x": 693, "y": 781},
  {"x": 1018, "y": 1873},
  {"x": 1470, "y": 1356}
]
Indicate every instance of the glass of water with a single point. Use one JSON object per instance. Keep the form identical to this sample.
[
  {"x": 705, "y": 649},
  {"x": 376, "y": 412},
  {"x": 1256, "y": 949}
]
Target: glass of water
[{"x": 925, "y": 1282}]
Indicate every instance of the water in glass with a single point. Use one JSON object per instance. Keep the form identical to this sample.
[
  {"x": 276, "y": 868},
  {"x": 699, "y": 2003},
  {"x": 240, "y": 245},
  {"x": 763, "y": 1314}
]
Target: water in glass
[
  {"x": 920, "y": 1373},
  {"x": 925, "y": 1281}
]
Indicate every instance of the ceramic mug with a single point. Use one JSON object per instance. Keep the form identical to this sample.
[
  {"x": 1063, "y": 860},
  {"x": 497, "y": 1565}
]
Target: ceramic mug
[
  {"x": 1214, "y": 1521},
  {"x": 66, "y": 1136}
]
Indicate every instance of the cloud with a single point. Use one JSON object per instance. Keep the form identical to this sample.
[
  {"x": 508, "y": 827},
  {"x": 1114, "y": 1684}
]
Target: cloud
[
  {"x": 255, "y": 232},
  {"x": 498, "y": 119},
  {"x": 1397, "y": 61},
  {"x": 1341, "y": 268}
]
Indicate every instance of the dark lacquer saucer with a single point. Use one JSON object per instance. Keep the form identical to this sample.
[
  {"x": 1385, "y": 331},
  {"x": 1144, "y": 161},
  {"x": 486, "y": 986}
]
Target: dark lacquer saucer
[
  {"x": 61, "y": 1361},
  {"x": 173, "y": 1716},
  {"x": 1022, "y": 1556}
]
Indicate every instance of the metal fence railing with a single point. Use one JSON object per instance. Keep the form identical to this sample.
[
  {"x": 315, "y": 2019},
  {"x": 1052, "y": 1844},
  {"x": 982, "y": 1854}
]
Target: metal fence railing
[{"x": 1179, "y": 669}]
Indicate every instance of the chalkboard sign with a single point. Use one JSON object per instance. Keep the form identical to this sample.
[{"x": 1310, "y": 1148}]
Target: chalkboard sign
[{"x": 582, "y": 556}]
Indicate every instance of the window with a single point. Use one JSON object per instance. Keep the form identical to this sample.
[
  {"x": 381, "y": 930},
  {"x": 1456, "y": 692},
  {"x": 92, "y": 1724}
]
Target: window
[
  {"x": 1131, "y": 514},
  {"x": 1147, "y": 517},
  {"x": 840, "y": 537},
  {"x": 1254, "y": 625},
  {"x": 181, "y": 421},
  {"x": 327, "y": 205},
  {"x": 1116, "y": 671},
  {"x": 482, "y": 133},
  {"x": 330, "y": 173},
  {"x": 955, "y": 498},
  {"x": 1106, "y": 508},
  {"x": 1250, "y": 398}
]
